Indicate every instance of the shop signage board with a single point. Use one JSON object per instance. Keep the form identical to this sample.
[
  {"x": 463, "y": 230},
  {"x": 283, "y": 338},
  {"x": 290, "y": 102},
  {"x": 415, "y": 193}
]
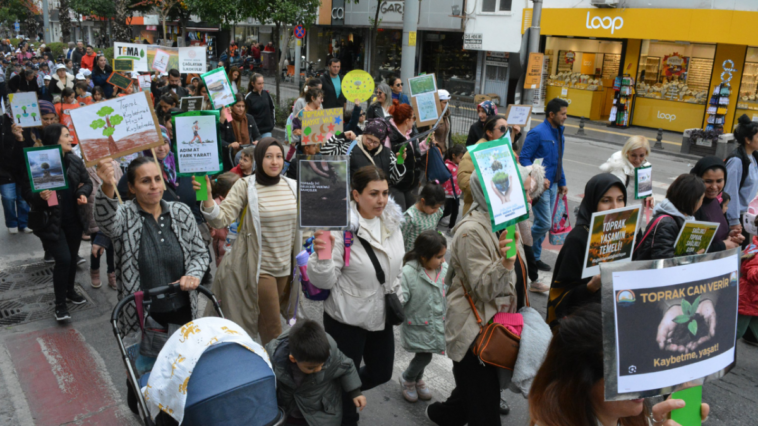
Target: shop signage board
[
  {"x": 534, "y": 71},
  {"x": 667, "y": 115},
  {"x": 472, "y": 41},
  {"x": 668, "y": 324},
  {"x": 497, "y": 59}
]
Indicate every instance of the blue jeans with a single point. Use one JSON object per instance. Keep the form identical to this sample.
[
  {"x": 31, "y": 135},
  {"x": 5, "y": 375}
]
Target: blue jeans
[
  {"x": 15, "y": 208},
  {"x": 266, "y": 135},
  {"x": 543, "y": 212}
]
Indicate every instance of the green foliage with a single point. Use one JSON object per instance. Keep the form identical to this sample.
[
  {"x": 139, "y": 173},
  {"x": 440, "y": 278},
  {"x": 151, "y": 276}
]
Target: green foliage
[
  {"x": 104, "y": 8},
  {"x": 106, "y": 110},
  {"x": 459, "y": 138},
  {"x": 283, "y": 112},
  {"x": 688, "y": 312},
  {"x": 98, "y": 124},
  {"x": 108, "y": 52},
  {"x": 57, "y": 48}
]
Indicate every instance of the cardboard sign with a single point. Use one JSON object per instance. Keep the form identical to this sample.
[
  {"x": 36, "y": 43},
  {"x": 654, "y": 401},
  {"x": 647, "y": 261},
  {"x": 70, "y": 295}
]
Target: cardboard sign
[
  {"x": 357, "y": 85},
  {"x": 144, "y": 81},
  {"x": 160, "y": 60},
  {"x": 612, "y": 236},
  {"x": 668, "y": 322},
  {"x": 191, "y": 103},
  {"x": 119, "y": 80},
  {"x": 25, "y": 109},
  {"x": 192, "y": 60},
  {"x": 116, "y": 127},
  {"x": 424, "y": 99},
  {"x": 643, "y": 182},
  {"x": 219, "y": 88},
  {"x": 499, "y": 176},
  {"x": 518, "y": 115},
  {"x": 197, "y": 143},
  {"x": 323, "y": 191},
  {"x": 123, "y": 65},
  {"x": 136, "y": 52},
  {"x": 46, "y": 168},
  {"x": 320, "y": 125},
  {"x": 695, "y": 236},
  {"x": 534, "y": 71}
]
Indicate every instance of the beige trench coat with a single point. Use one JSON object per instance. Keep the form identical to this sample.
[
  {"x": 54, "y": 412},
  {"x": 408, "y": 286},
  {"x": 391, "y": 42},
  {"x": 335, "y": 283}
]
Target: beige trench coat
[{"x": 236, "y": 281}]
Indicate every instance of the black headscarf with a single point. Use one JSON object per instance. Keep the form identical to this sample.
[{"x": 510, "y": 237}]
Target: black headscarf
[
  {"x": 259, "y": 154},
  {"x": 593, "y": 193}
]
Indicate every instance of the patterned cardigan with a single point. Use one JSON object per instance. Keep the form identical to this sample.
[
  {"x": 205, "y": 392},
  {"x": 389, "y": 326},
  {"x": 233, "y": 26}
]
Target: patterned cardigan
[{"x": 123, "y": 225}]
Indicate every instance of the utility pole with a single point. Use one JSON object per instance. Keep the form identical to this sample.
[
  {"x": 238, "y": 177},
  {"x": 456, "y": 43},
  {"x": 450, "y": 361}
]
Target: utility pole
[
  {"x": 46, "y": 21},
  {"x": 534, "y": 46},
  {"x": 410, "y": 24},
  {"x": 298, "y": 48}
]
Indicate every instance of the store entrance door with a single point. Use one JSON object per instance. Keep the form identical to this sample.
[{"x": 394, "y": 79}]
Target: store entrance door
[{"x": 496, "y": 75}]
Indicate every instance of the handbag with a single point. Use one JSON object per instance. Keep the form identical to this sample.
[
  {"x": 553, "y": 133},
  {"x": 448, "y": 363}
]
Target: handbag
[
  {"x": 561, "y": 223},
  {"x": 393, "y": 307},
  {"x": 436, "y": 170},
  {"x": 154, "y": 336}
]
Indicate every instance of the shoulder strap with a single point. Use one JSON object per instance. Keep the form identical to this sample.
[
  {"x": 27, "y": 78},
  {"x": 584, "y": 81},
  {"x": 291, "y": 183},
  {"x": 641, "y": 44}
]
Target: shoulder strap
[
  {"x": 374, "y": 260},
  {"x": 650, "y": 228}
]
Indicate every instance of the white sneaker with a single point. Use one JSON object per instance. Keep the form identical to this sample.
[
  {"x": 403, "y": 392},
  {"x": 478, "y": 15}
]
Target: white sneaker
[
  {"x": 13, "y": 230},
  {"x": 408, "y": 390},
  {"x": 538, "y": 287},
  {"x": 28, "y": 230}
]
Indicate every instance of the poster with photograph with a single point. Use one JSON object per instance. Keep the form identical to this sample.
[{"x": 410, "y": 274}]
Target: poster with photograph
[
  {"x": 158, "y": 52},
  {"x": 320, "y": 125},
  {"x": 324, "y": 191},
  {"x": 219, "y": 89},
  {"x": 160, "y": 61},
  {"x": 197, "y": 143},
  {"x": 612, "y": 236},
  {"x": 498, "y": 173},
  {"x": 424, "y": 99},
  {"x": 192, "y": 60},
  {"x": 46, "y": 168},
  {"x": 25, "y": 109},
  {"x": 695, "y": 236},
  {"x": 358, "y": 84},
  {"x": 133, "y": 51},
  {"x": 643, "y": 182},
  {"x": 668, "y": 322},
  {"x": 144, "y": 82},
  {"x": 191, "y": 103},
  {"x": 116, "y": 127}
]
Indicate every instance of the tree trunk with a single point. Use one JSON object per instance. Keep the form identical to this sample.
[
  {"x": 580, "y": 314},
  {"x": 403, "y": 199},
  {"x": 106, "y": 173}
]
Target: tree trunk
[
  {"x": 163, "y": 19},
  {"x": 277, "y": 48},
  {"x": 31, "y": 25},
  {"x": 121, "y": 31},
  {"x": 65, "y": 19},
  {"x": 286, "y": 44}
]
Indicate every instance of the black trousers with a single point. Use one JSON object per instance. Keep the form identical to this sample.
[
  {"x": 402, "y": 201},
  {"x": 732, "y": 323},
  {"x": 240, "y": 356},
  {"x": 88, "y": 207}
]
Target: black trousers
[
  {"x": 404, "y": 199},
  {"x": 475, "y": 399},
  {"x": 531, "y": 263},
  {"x": 375, "y": 348},
  {"x": 452, "y": 206},
  {"x": 64, "y": 250}
]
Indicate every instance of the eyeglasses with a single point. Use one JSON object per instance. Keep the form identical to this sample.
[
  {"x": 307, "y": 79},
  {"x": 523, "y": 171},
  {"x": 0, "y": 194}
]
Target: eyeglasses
[
  {"x": 399, "y": 85},
  {"x": 503, "y": 129}
]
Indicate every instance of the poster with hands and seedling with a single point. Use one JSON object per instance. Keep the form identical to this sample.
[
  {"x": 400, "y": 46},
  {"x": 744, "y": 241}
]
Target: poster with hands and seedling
[{"x": 25, "y": 109}]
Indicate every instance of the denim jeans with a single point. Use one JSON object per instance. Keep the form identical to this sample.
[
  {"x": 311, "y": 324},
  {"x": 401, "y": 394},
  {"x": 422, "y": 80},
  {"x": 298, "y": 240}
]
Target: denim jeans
[
  {"x": 15, "y": 208},
  {"x": 266, "y": 135},
  {"x": 543, "y": 212}
]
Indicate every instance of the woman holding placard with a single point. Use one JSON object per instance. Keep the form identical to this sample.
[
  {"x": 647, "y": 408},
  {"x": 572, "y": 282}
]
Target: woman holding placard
[
  {"x": 238, "y": 133},
  {"x": 253, "y": 280},
  {"x": 355, "y": 311},
  {"x": 568, "y": 290},
  {"x": 55, "y": 218},
  {"x": 480, "y": 274},
  {"x": 100, "y": 74},
  {"x": 622, "y": 164},
  {"x": 683, "y": 198},
  {"x": 713, "y": 173},
  {"x": 569, "y": 387}
]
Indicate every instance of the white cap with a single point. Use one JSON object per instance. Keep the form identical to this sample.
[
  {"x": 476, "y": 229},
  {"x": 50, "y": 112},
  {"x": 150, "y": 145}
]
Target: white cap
[
  {"x": 444, "y": 95},
  {"x": 85, "y": 72},
  {"x": 47, "y": 77},
  {"x": 135, "y": 74},
  {"x": 60, "y": 67},
  {"x": 164, "y": 74},
  {"x": 80, "y": 77}
]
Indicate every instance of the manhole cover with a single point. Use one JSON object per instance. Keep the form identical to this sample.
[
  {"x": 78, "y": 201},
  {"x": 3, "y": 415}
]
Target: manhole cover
[{"x": 26, "y": 294}]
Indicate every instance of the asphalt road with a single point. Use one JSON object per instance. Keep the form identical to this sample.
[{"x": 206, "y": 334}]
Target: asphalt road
[{"x": 81, "y": 359}]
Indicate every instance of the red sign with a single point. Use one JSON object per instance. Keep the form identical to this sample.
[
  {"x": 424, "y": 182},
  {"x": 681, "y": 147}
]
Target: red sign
[{"x": 299, "y": 31}]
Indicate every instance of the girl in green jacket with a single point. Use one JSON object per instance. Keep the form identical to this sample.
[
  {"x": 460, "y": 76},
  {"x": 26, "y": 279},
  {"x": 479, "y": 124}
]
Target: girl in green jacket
[{"x": 422, "y": 291}]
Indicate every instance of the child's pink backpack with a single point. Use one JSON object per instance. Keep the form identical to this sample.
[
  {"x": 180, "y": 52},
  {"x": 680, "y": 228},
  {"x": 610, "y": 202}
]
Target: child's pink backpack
[{"x": 748, "y": 219}]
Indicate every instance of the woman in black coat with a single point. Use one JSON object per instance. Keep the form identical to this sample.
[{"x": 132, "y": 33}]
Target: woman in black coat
[
  {"x": 239, "y": 132},
  {"x": 60, "y": 226}
]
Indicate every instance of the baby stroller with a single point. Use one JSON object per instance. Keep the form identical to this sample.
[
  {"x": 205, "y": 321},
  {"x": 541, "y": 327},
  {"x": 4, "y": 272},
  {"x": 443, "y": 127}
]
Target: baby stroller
[{"x": 218, "y": 392}]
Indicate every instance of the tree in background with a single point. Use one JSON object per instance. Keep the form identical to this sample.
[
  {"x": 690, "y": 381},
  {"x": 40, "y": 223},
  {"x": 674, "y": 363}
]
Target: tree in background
[
  {"x": 167, "y": 10},
  {"x": 95, "y": 8},
  {"x": 64, "y": 17},
  {"x": 12, "y": 11}
]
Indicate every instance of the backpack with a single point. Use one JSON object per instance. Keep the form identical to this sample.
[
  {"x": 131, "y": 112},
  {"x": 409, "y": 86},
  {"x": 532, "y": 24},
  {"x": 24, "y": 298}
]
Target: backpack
[{"x": 742, "y": 155}]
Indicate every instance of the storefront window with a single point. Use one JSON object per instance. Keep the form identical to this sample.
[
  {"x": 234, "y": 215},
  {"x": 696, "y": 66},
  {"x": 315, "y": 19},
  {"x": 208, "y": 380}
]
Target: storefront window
[
  {"x": 749, "y": 85},
  {"x": 389, "y": 52},
  {"x": 675, "y": 71},
  {"x": 582, "y": 63},
  {"x": 454, "y": 67},
  {"x": 245, "y": 34}
]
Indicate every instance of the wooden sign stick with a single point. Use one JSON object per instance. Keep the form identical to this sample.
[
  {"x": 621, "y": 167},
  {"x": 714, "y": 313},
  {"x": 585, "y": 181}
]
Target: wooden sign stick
[
  {"x": 115, "y": 188},
  {"x": 155, "y": 157}
]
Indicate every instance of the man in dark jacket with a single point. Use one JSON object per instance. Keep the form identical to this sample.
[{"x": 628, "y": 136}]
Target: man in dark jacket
[
  {"x": 174, "y": 85},
  {"x": 77, "y": 55},
  {"x": 331, "y": 84},
  {"x": 24, "y": 82}
]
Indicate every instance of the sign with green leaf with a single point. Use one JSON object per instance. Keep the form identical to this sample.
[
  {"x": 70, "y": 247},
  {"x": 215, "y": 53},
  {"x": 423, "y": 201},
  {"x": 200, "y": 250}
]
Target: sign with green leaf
[{"x": 133, "y": 51}]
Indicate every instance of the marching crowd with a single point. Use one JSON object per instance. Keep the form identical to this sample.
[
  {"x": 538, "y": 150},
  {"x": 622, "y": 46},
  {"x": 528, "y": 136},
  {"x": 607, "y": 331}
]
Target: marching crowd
[{"x": 389, "y": 269}]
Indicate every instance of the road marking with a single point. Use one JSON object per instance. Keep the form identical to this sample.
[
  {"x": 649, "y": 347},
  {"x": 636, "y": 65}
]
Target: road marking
[
  {"x": 660, "y": 185},
  {"x": 20, "y": 406}
]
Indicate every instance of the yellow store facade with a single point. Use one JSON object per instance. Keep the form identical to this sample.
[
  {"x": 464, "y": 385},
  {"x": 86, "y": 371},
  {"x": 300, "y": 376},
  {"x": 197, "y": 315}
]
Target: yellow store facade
[{"x": 677, "y": 58}]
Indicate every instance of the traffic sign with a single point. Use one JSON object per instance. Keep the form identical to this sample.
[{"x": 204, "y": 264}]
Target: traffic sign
[{"x": 299, "y": 31}]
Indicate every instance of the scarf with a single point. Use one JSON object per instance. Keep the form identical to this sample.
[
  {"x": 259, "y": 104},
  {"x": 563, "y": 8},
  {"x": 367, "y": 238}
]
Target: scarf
[
  {"x": 260, "y": 153},
  {"x": 239, "y": 126}
]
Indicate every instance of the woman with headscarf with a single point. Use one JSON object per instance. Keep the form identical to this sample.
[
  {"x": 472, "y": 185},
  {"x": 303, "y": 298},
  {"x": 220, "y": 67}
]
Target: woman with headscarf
[
  {"x": 254, "y": 279},
  {"x": 713, "y": 173},
  {"x": 478, "y": 267},
  {"x": 484, "y": 110},
  {"x": 568, "y": 290}
]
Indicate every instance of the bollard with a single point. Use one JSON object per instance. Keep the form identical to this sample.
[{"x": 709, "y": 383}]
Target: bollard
[
  {"x": 658, "y": 139},
  {"x": 581, "y": 127}
]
